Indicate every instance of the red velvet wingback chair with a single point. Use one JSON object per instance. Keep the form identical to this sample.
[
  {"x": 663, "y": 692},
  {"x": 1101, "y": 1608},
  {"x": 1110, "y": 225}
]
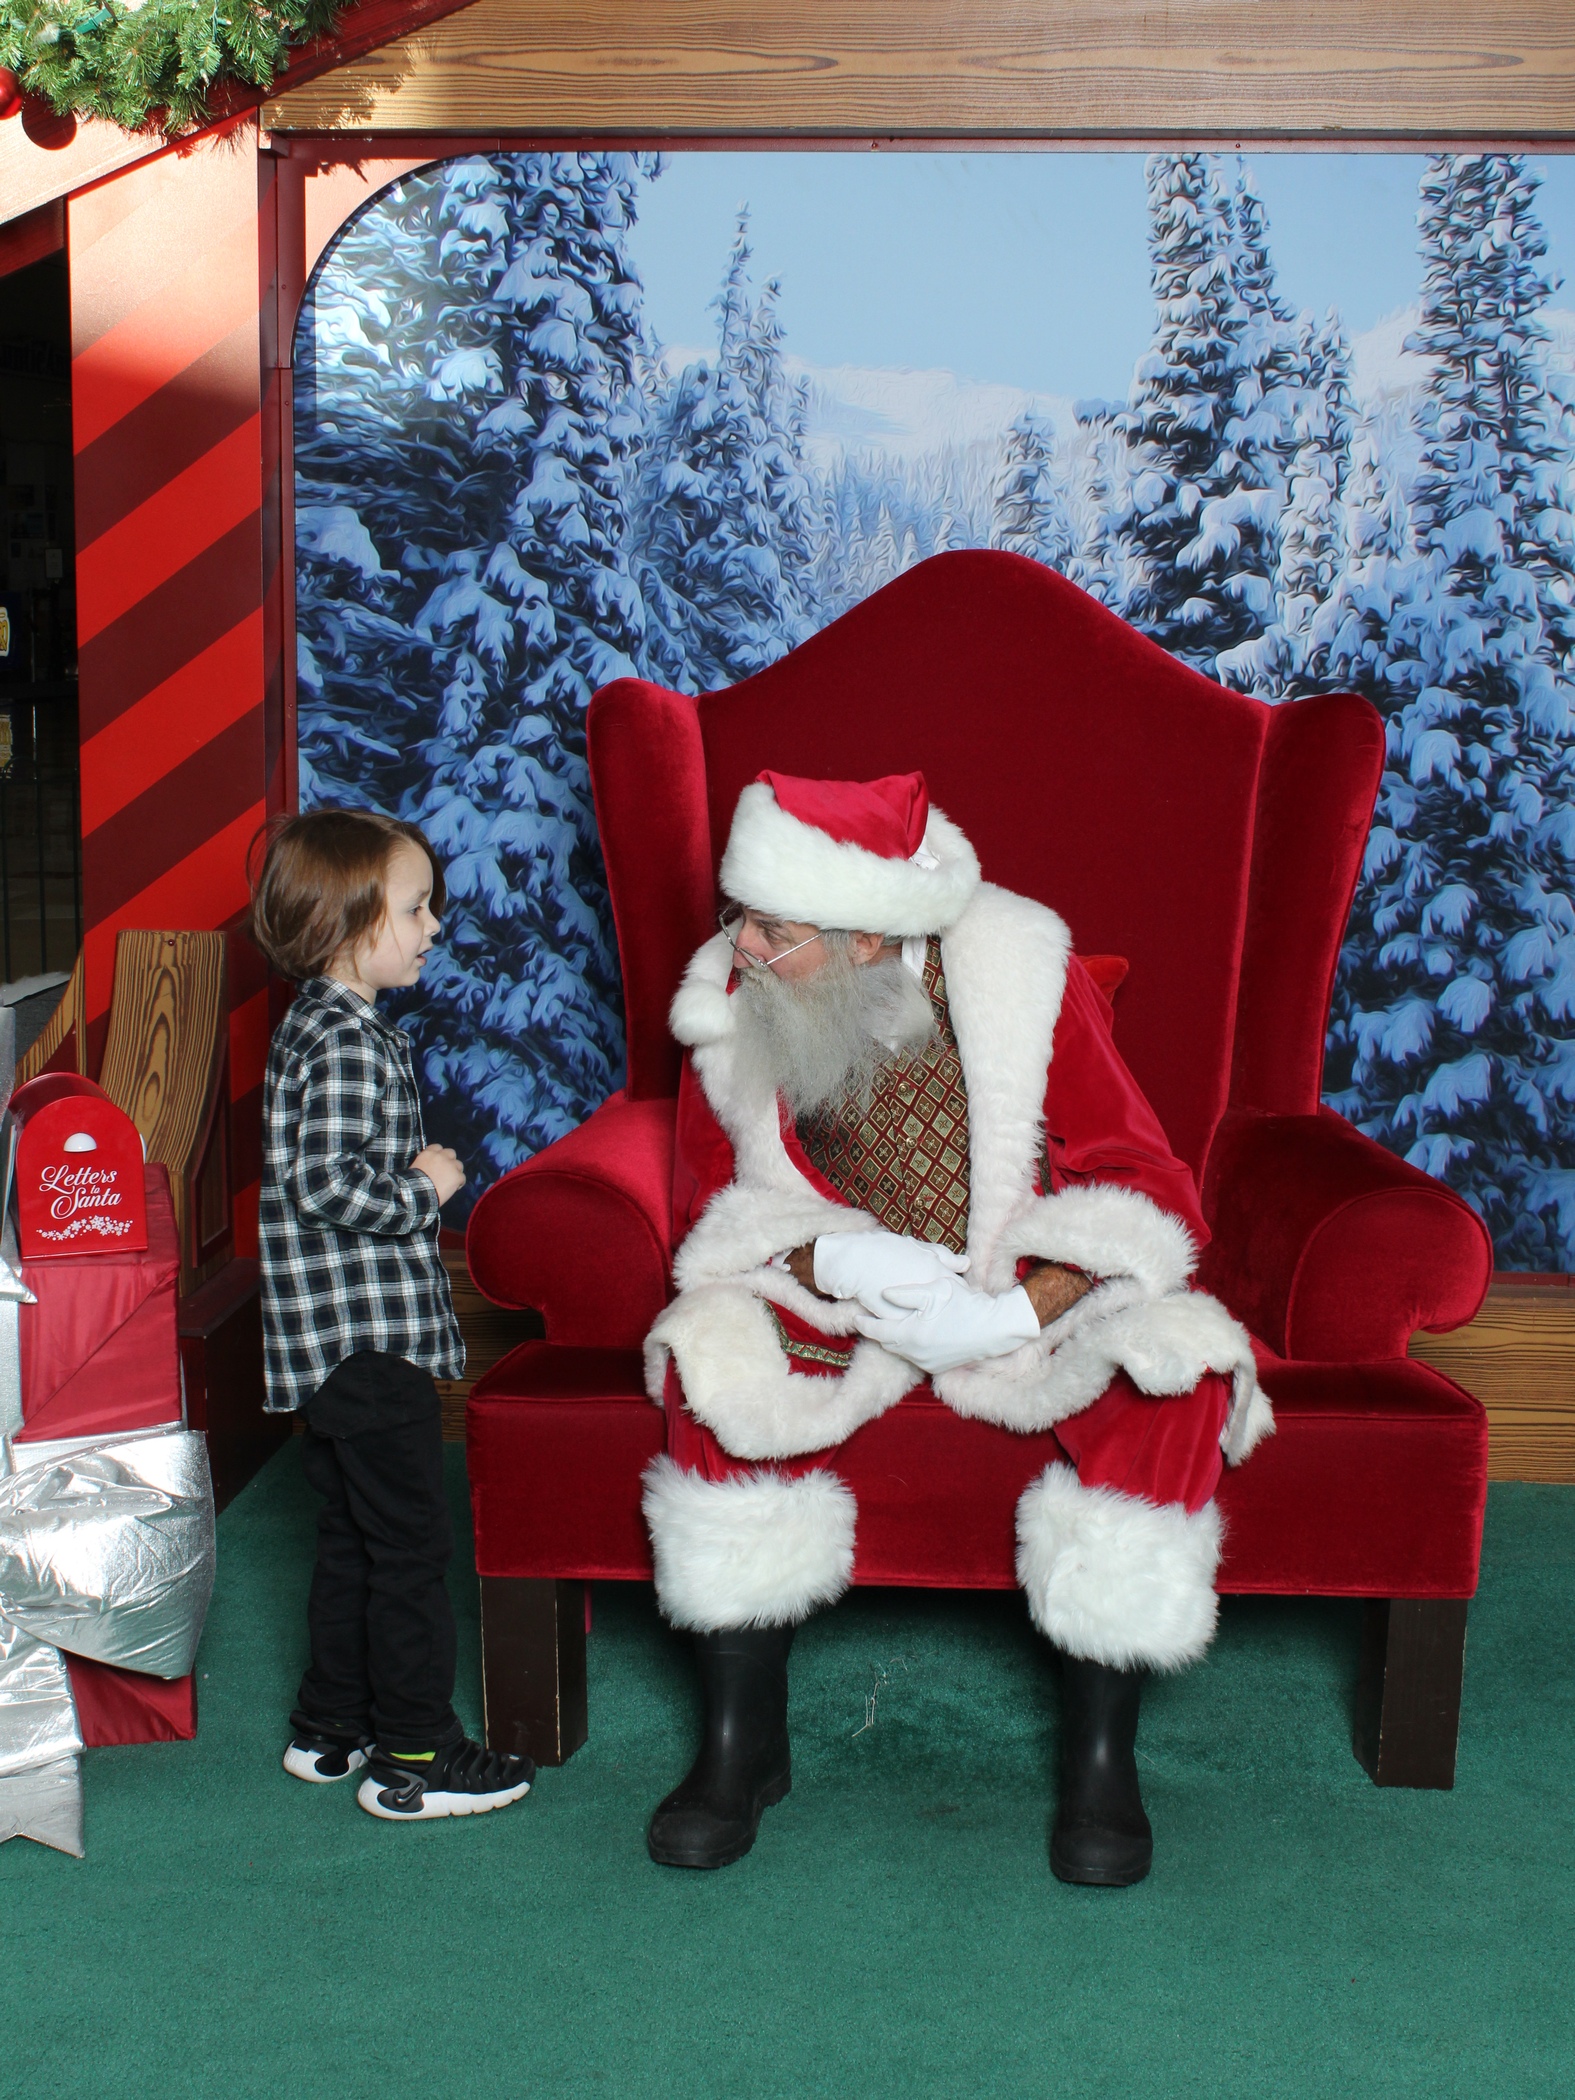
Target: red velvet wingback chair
[{"x": 1212, "y": 840}]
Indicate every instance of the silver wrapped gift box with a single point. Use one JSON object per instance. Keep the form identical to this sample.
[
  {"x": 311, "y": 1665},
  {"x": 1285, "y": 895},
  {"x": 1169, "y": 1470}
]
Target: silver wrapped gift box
[{"x": 106, "y": 1550}]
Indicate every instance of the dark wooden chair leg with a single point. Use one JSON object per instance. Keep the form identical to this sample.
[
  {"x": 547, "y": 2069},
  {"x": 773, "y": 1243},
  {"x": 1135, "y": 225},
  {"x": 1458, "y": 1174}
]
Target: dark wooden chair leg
[
  {"x": 533, "y": 1665},
  {"x": 1408, "y": 1695}
]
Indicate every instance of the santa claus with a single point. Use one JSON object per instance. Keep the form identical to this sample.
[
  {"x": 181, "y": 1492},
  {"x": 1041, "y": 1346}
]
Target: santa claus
[{"x": 908, "y": 1148}]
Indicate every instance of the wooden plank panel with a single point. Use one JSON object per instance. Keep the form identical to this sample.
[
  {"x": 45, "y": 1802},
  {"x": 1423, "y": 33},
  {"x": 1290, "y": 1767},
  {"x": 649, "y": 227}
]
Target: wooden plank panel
[
  {"x": 66, "y": 1028},
  {"x": 164, "y": 1065},
  {"x": 1518, "y": 1357},
  {"x": 958, "y": 68}
]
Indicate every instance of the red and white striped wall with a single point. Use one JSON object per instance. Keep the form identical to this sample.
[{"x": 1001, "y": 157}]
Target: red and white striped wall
[{"x": 179, "y": 585}]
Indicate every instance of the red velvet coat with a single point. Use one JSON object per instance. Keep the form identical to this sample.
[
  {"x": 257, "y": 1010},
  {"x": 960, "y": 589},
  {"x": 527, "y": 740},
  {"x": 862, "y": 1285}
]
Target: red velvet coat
[{"x": 1044, "y": 1079}]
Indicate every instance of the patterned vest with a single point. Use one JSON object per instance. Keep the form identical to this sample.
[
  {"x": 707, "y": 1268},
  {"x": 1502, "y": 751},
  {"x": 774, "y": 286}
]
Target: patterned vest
[{"x": 905, "y": 1160}]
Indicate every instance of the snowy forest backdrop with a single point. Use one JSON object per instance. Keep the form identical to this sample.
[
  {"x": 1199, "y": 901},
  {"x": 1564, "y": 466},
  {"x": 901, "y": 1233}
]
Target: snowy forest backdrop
[{"x": 508, "y": 493}]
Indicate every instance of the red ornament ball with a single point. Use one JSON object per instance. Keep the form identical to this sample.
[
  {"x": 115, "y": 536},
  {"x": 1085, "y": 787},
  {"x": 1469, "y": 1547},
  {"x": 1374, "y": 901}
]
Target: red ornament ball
[
  {"x": 10, "y": 93},
  {"x": 44, "y": 124}
]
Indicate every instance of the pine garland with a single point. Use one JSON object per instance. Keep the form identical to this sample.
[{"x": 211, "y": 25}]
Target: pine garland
[{"x": 151, "y": 63}]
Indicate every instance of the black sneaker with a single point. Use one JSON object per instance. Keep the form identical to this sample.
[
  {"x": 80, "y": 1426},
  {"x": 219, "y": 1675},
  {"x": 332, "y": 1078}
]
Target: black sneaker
[
  {"x": 462, "y": 1780},
  {"x": 323, "y": 1758}
]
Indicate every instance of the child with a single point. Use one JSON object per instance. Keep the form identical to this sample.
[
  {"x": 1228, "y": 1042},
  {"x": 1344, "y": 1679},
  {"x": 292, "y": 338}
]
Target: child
[{"x": 357, "y": 1317}]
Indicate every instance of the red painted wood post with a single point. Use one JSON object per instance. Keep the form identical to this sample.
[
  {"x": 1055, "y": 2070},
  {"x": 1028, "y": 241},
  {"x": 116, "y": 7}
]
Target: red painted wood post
[{"x": 179, "y": 627}]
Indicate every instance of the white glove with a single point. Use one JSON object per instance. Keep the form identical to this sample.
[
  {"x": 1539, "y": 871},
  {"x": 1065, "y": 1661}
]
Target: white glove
[
  {"x": 864, "y": 1264},
  {"x": 941, "y": 1325}
]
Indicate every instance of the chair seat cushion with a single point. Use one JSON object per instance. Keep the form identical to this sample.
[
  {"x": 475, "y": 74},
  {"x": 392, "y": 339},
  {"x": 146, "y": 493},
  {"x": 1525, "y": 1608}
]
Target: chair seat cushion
[{"x": 1374, "y": 1484}]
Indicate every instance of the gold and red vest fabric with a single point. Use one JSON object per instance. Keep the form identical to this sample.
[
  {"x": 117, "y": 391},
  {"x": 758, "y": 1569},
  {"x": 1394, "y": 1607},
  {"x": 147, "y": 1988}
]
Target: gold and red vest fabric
[
  {"x": 1099, "y": 1128},
  {"x": 904, "y": 1158}
]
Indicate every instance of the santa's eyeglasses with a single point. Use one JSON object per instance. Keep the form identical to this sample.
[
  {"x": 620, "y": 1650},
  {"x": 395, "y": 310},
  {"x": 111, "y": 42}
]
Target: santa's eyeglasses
[{"x": 732, "y": 920}]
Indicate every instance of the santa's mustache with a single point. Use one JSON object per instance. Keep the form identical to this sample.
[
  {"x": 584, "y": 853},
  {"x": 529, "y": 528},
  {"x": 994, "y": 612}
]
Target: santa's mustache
[{"x": 824, "y": 1041}]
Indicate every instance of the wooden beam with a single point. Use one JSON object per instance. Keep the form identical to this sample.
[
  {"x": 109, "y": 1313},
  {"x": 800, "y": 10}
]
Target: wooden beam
[
  {"x": 999, "y": 69},
  {"x": 1518, "y": 1357}
]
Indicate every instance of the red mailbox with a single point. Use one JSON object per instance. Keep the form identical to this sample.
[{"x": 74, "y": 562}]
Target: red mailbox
[{"x": 79, "y": 1171}]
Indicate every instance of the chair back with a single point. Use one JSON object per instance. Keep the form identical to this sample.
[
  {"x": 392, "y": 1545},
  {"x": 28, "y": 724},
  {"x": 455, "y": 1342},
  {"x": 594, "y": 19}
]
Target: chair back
[{"x": 1211, "y": 839}]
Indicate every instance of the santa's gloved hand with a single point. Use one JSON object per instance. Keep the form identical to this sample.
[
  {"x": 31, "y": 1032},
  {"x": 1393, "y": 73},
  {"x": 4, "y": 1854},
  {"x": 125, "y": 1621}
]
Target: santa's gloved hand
[
  {"x": 864, "y": 1264},
  {"x": 940, "y": 1326}
]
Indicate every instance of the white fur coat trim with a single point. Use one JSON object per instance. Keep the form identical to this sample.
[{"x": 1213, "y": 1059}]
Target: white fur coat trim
[
  {"x": 775, "y": 863},
  {"x": 737, "y": 1382},
  {"x": 1005, "y": 962},
  {"x": 1164, "y": 1345},
  {"x": 764, "y": 1551},
  {"x": 1114, "y": 1579},
  {"x": 701, "y": 1011}
]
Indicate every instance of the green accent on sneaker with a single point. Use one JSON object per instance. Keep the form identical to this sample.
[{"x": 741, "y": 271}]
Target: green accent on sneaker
[{"x": 413, "y": 1757}]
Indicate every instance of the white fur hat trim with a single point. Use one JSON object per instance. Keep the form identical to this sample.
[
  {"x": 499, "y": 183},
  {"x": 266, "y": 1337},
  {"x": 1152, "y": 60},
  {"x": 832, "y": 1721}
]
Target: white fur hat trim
[{"x": 776, "y": 864}]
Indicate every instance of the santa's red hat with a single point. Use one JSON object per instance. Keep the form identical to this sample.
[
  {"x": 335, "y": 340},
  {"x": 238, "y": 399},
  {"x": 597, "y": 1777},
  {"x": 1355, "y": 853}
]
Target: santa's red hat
[{"x": 868, "y": 856}]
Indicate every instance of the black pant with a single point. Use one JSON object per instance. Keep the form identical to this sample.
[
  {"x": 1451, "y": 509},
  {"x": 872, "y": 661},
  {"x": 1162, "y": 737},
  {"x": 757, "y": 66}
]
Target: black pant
[{"x": 381, "y": 1625}]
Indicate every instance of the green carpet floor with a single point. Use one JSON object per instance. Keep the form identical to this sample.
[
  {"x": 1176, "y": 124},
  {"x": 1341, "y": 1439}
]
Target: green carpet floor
[{"x": 895, "y": 1932}]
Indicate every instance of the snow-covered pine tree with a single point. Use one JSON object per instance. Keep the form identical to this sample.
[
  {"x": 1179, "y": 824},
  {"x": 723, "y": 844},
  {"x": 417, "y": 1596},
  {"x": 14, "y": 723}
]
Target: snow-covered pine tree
[
  {"x": 724, "y": 511},
  {"x": 783, "y": 407},
  {"x": 1316, "y": 414},
  {"x": 838, "y": 534},
  {"x": 1349, "y": 634},
  {"x": 1030, "y": 511},
  {"x": 1451, "y": 1037},
  {"x": 1098, "y": 498},
  {"x": 881, "y": 557},
  {"x": 387, "y": 335},
  {"x": 1312, "y": 532},
  {"x": 1199, "y": 531},
  {"x": 481, "y": 439}
]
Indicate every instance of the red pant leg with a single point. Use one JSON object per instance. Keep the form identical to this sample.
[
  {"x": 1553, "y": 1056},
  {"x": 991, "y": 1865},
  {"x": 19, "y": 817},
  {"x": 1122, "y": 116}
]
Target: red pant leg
[{"x": 1163, "y": 1450}]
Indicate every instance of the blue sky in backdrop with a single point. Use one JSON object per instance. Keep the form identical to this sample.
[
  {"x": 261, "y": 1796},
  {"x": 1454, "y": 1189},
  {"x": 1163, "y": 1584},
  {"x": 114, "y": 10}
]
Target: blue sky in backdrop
[{"x": 1027, "y": 269}]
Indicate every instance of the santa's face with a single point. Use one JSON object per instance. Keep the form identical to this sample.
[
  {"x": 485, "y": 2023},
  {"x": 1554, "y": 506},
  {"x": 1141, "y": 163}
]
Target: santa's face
[
  {"x": 791, "y": 950},
  {"x": 822, "y": 1036}
]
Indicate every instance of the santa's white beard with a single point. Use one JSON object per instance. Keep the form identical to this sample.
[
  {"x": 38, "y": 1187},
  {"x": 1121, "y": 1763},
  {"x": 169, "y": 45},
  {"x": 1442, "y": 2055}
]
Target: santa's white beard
[{"x": 824, "y": 1041}]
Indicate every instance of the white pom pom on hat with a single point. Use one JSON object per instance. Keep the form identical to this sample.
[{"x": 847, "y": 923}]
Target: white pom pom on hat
[{"x": 868, "y": 856}]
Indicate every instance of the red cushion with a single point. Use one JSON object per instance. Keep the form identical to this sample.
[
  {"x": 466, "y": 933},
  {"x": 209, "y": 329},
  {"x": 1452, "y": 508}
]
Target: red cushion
[
  {"x": 556, "y": 1440},
  {"x": 1374, "y": 1485},
  {"x": 1316, "y": 790},
  {"x": 648, "y": 772},
  {"x": 583, "y": 1231},
  {"x": 1331, "y": 1248},
  {"x": 1109, "y": 973}
]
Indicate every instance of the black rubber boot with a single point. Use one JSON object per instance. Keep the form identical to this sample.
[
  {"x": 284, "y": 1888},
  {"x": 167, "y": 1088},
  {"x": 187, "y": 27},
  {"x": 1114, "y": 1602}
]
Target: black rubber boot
[
  {"x": 1101, "y": 1835},
  {"x": 710, "y": 1818}
]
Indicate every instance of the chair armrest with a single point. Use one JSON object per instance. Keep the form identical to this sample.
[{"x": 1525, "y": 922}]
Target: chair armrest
[
  {"x": 583, "y": 1232},
  {"x": 1328, "y": 1247}
]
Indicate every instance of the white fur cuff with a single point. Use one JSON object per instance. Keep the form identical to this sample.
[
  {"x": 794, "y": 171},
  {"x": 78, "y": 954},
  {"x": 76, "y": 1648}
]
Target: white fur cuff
[
  {"x": 762, "y": 1550},
  {"x": 1106, "y": 1231},
  {"x": 1114, "y": 1579}
]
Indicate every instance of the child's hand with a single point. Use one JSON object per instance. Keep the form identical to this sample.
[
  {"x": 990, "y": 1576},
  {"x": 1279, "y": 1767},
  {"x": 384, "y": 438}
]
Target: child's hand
[{"x": 440, "y": 1164}]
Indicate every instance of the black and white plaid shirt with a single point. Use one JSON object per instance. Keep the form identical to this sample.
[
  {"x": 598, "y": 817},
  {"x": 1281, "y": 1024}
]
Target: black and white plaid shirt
[{"x": 348, "y": 1235}]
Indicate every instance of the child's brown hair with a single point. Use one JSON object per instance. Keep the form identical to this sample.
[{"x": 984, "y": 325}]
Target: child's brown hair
[{"x": 320, "y": 888}]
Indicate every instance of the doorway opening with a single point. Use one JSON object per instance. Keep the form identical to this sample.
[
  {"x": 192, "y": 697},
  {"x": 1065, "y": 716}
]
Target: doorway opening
[{"x": 40, "y": 820}]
